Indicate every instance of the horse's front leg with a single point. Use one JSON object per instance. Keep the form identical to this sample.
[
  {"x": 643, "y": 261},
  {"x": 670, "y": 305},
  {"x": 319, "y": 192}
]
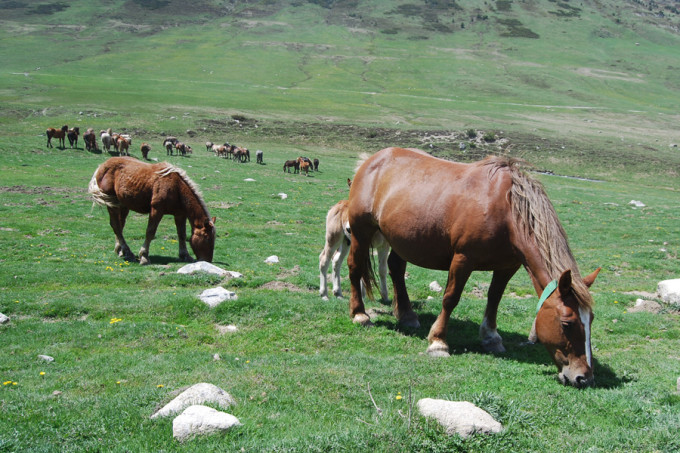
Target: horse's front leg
[
  {"x": 181, "y": 224},
  {"x": 117, "y": 217},
  {"x": 154, "y": 219},
  {"x": 459, "y": 272},
  {"x": 491, "y": 340}
]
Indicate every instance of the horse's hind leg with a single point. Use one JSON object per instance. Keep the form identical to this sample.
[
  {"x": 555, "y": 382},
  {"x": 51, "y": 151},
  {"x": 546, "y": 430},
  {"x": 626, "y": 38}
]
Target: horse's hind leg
[
  {"x": 401, "y": 304},
  {"x": 181, "y": 224},
  {"x": 491, "y": 341},
  {"x": 359, "y": 267},
  {"x": 117, "y": 217},
  {"x": 154, "y": 219}
]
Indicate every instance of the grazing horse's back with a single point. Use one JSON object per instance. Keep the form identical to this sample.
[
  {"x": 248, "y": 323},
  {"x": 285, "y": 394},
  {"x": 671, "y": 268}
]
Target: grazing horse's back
[{"x": 420, "y": 218}]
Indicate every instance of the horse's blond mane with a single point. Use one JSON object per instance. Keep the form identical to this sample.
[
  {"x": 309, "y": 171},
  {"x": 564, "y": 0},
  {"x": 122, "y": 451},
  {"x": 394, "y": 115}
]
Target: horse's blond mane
[
  {"x": 169, "y": 169},
  {"x": 538, "y": 222}
]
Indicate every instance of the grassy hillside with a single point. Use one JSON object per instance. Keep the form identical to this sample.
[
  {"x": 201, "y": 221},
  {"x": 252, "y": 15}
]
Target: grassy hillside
[{"x": 594, "y": 79}]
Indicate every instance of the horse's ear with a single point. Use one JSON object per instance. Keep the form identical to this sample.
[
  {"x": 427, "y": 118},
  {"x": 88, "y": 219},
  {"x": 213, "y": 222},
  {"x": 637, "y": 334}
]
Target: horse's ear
[
  {"x": 591, "y": 278},
  {"x": 349, "y": 183},
  {"x": 213, "y": 220},
  {"x": 565, "y": 281}
]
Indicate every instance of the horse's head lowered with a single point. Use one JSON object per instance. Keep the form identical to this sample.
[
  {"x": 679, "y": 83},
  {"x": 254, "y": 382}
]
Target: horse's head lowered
[
  {"x": 202, "y": 240},
  {"x": 563, "y": 326}
]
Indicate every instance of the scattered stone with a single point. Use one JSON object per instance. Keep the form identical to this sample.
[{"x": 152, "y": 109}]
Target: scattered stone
[
  {"x": 201, "y": 266},
  {"x": 636, "y": 203},
  {"x": 645, "y": 305},
  {"x": 669, "y": 291},
  {"x": 272, "y": 259},
  {"x": 233, "y": 274},
  {"x": 227, "y": 329},
  {"x": 436, "y": 287},
  {"x": 46, "y": 358},
  {"x": 196, "y": 394},
  {"x": 4, "y": 319},
  {"x": 197, "y": 419},
  {"x": 282, "y": 195},
  {"x": 249, "y": 180},
  {"x": 216, "y": 358},
  {"x": 215, "y": 296},
  {"x": 459, "y": 417},
  {"x": 56, "y": 393},
  {"x": 678, "y": 384}
]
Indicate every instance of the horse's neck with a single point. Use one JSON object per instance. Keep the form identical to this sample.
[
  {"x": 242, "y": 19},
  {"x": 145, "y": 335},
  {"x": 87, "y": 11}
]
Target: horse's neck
[
  {"x": 193, "y": 206},
  {"x": 534, "y": 264}
]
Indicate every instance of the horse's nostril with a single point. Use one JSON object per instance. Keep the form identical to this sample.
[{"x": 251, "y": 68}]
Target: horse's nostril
[{"x": 581, "y": 381}]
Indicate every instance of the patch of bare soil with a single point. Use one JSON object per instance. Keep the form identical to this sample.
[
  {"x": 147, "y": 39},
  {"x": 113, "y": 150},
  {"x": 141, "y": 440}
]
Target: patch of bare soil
[
  {"x": 281, "y": 286},
  {"x": 646, "y": 305}
]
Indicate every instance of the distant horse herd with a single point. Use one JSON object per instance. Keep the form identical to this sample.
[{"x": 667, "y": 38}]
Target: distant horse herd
[
  {"x": 121, "y": 144},
  {"x": 409, "y": 206}
]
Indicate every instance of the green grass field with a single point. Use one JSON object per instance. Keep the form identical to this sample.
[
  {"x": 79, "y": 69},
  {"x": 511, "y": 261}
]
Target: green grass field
[{"x": 594, "y": 96}]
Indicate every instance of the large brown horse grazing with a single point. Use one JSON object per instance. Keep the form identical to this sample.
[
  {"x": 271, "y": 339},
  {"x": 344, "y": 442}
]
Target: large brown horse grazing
[
  {"x": 336, "y": 248},
  {"x": 59, "y": 134},
  {"x": 489, "y": 216},
  {"x": 124, "y": 183}
]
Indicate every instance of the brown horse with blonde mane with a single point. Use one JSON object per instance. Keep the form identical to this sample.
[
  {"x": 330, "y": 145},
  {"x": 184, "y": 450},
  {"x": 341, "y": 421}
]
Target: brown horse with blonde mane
[
  {"x": 488, "y": 215},
  {"x": 123, "y": 184}
]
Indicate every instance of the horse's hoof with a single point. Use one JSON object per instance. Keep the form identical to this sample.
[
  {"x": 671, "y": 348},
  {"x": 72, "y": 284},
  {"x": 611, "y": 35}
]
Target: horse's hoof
[
  {"x": 324, "y": 298},
  {"x": 438, "y": 349},
  {"x": 493, "y": 345},
  {"x": 363, "y": 319},
  {"x": 410, "y": 320},
  {"x": 143, "y": 260}
]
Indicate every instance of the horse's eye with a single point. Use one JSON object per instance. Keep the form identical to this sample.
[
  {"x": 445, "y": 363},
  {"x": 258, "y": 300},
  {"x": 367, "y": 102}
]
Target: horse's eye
[{"x": 567, "y": 324}]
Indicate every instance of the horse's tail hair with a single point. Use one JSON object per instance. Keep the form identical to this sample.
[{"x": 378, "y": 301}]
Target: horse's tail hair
[
  {"x": 99, "y": 197},
  {"x": 363, "y": 157}
]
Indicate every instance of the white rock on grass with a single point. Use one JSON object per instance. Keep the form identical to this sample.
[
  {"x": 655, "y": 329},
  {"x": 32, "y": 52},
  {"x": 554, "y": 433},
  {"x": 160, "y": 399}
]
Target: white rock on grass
[
  {"x": 282, "y": 195},
  {"x": 436, "y": 287},
  {"x": 201, "y": 266},
  {"x": 459, "y": 417},
  {"x": 196, "y": 394},
  {"x": 636, "y": 203},
  {"x": 669, "y": 291},
  {"x": 4, "y": 319},
  {"x": 272, "y": 259},
  {"x": 197, "y": 420},
  {"x": 46, "y": 358},
  {"x": 215, "y": 296}
]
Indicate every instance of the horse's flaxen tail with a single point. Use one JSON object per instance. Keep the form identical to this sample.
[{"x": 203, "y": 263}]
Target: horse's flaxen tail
[{"x": 100, "y": 197}]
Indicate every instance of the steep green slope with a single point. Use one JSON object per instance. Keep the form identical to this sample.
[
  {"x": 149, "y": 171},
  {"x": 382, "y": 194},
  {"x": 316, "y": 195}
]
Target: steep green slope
[{"x": 595, "y": 73}]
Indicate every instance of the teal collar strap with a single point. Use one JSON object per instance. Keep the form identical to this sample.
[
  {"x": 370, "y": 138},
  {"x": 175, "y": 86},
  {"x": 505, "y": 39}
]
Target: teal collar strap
[{"x": 552, "y": 286}]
